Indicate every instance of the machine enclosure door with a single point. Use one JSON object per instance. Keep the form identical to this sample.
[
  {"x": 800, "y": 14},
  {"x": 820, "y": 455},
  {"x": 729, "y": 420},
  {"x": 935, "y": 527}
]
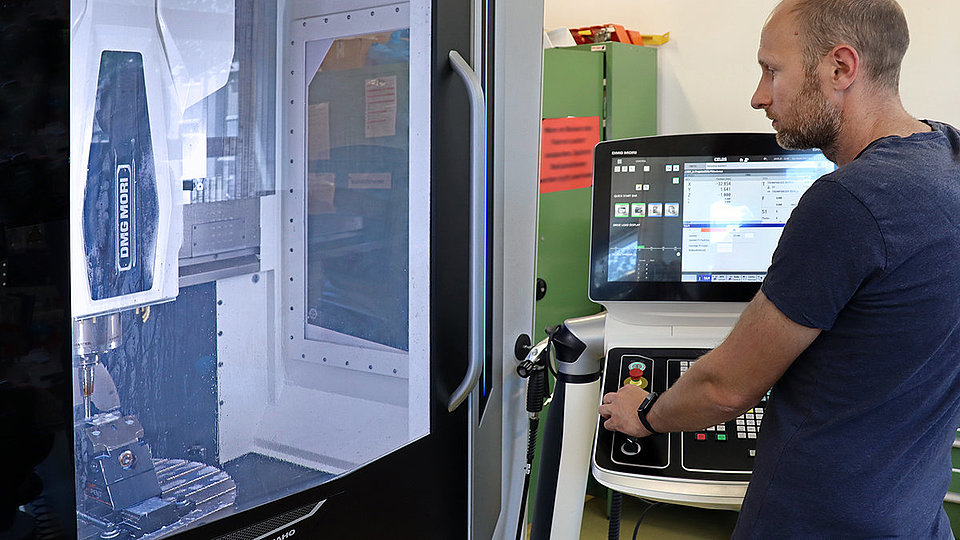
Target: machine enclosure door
[{"x": 293, "y": 363}]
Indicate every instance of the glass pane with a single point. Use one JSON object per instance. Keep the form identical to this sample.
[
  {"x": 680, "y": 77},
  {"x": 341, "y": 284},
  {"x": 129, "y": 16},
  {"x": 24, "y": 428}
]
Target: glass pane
[
  {"x": 357, "y": 178},
  {"x": 215, "y": 370}
]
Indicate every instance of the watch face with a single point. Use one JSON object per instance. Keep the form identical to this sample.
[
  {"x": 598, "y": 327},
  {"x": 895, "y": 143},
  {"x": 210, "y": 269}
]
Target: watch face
[{"x": 646, "y": 403}]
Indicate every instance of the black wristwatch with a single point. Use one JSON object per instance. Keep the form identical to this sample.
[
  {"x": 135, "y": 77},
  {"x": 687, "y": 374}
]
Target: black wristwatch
[{"x": 644, "y": 408}]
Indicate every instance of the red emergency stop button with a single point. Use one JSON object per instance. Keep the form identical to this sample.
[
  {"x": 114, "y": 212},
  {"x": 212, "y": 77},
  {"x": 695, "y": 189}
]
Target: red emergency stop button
[{"x": 636, "y": 373}]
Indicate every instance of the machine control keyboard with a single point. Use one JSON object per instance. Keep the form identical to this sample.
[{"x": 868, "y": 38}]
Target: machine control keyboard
[
  {"x": 723, "y": 452},
  {"x": 727, "y": 447}
]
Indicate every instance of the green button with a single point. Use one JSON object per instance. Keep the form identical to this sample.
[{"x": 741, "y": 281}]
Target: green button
[{"x": 721, "y": 437}]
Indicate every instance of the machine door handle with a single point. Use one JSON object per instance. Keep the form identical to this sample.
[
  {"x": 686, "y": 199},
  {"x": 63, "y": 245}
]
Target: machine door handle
[{"x": 478, "y": 185}]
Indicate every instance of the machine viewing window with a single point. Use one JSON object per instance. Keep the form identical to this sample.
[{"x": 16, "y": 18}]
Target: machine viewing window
[
  {"x": 357, "y": 178},
  {"x": 692, "y": 217}
]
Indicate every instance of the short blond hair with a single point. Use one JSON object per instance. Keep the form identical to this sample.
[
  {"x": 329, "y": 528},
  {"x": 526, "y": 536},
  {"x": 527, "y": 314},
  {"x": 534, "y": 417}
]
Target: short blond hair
[{"x": 877, "y": 29}]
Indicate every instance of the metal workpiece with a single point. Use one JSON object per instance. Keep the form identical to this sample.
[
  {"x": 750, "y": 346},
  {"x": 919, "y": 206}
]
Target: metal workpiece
[
  {"x": 579, "y": 345},
  {"x": 109, "y": 431},
  {"x": 126, "y": 493}
]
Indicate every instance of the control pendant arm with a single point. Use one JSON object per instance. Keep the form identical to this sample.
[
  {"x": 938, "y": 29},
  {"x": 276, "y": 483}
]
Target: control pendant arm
[{"x": 579, "y": 345}]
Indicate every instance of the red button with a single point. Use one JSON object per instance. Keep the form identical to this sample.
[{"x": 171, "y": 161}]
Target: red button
[
  {"x": 701, "y": 436},
  {"x": 636, "y": 373}
]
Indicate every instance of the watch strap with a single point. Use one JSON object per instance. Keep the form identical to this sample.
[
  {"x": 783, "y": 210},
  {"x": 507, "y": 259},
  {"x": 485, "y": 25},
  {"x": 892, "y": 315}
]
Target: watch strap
[{"x": 644, "y": 408}]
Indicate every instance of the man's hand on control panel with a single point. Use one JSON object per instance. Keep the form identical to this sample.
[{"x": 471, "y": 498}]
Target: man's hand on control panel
[
  {"x": 620, "y": 410},
  {"x": 723, "y": 383}
]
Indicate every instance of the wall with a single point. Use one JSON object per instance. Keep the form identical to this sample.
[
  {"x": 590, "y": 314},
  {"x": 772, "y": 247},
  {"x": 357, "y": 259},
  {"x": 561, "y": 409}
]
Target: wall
[{"x": 708, "y": 70}]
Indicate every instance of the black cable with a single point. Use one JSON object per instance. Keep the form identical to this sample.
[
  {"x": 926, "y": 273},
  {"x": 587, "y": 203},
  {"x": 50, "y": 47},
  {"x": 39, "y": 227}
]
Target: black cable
[
  {"x": 536, "y": 392},
  {"x": 547, "y": 391},
  {"x": 531, "y": 446},
  {"x": 537, "y": 388},
  {"x": 642, "y": 515},
  {"x": 616, "y": 502},
  {"x": 523, "y": 503},
  {"x": 552, "y": 368}
]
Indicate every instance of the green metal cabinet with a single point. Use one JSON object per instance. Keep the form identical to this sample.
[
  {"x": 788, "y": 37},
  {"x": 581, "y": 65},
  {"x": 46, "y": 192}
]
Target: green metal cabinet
[
  {"x": 618, "y": 84},
  {"x": 630, "y": 106}
]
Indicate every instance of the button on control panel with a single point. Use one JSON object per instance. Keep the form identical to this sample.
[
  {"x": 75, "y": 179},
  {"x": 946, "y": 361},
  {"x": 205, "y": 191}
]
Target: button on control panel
[{"x": 636, "y": 369}]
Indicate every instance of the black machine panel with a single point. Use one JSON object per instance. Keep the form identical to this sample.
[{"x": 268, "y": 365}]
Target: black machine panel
[{"x": 721, "y": 453}]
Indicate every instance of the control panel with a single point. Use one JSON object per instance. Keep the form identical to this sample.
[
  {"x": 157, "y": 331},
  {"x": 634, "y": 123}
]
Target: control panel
[{"x": 723, "y": 452}]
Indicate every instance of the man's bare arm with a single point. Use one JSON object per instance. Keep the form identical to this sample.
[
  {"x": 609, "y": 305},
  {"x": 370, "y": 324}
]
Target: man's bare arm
[{"x": 723, "y": 383}]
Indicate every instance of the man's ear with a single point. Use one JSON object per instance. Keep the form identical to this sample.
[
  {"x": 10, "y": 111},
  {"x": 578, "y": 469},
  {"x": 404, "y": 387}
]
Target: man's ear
[{"x": 845, "y": 65}]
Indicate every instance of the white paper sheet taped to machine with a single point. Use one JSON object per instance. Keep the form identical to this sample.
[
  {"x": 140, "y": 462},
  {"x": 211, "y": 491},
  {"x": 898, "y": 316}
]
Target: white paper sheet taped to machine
[
  {"x": 318, "y": 131},
  {"x": 321, "y": 189},
  {"x": 369, "y": 181},
  {"x": 381, "y": 107}
]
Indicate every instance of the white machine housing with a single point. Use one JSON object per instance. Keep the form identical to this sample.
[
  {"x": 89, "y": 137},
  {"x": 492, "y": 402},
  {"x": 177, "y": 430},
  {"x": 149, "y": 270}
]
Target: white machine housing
[{"x": 166, "y": 33}]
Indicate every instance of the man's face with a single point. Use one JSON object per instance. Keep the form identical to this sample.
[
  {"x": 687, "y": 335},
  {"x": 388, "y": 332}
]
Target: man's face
[{"x": 790, "y": 93}]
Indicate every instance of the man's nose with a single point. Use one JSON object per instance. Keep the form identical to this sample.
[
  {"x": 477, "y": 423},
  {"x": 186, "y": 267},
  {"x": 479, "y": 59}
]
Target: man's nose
[{"x": 761, "y": 97}]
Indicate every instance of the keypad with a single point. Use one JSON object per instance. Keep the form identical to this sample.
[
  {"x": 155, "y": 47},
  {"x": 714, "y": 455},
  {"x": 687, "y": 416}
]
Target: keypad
[{"x": 748, "y": 424}]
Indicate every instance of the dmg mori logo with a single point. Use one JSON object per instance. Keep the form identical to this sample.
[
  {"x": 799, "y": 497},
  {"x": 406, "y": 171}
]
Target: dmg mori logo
[
  {"x": 286, "y": 535},
  {"x": 126, "y": 249}
]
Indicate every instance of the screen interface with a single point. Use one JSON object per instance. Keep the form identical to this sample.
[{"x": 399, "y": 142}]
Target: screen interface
[{"x": 702, "y": 219}]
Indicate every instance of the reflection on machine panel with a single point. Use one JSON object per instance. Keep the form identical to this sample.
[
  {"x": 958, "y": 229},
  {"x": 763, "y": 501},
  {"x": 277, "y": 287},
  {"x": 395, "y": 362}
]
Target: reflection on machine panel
[
  {"x": 727, "y": 447},
  {"x": 717, "y": 453}
]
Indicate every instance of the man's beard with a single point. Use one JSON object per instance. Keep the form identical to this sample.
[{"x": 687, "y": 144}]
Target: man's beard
[{"x": 817, "y": 120}]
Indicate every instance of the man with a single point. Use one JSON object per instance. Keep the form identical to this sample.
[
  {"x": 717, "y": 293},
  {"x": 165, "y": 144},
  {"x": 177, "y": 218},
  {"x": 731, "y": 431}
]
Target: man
[{"x": 857, "y": 325}]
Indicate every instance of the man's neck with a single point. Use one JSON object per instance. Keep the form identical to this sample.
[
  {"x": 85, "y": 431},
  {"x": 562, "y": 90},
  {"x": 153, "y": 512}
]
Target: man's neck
[{"x": 873, "y": 119}]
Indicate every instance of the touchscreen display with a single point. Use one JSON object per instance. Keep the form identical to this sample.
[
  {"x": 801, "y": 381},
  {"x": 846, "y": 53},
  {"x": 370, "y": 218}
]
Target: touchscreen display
[{"x": 694, "y": 219}]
